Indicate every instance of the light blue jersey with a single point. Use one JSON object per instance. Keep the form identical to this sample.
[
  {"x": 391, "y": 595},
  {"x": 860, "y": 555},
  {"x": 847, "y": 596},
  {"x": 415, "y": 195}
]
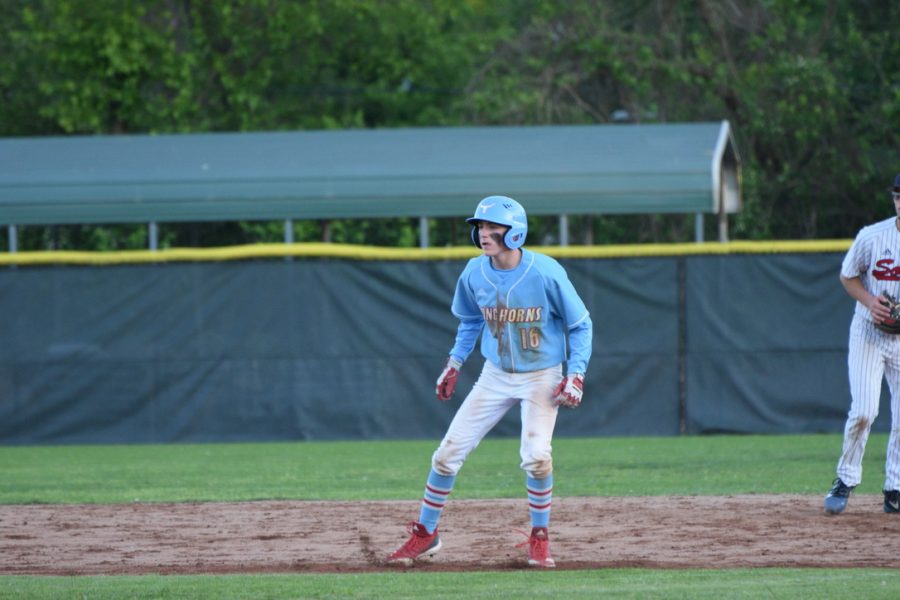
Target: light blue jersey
[{"x": 524, "y": 315}]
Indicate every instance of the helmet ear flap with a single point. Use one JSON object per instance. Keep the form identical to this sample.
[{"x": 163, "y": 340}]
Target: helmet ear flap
[
  {"x": 513, "y": 238},
  {"x": 474, "y": 236}
]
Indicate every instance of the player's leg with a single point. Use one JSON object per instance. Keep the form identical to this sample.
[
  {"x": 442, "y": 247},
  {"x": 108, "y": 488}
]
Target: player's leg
[
  {"x": 865, "y": 365},
  {"x": 536, "y": 443},
  {"x": 892, "y": 462},
  {"x": 491, "y": 397},
  {"x": 538, "y": 422},
  {"x": 482, "y": 409},
  {"x": 487, "y": 402}
]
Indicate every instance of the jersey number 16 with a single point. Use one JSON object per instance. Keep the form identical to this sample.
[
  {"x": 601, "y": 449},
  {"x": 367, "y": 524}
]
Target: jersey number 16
[{"x": 530, "y": 337}]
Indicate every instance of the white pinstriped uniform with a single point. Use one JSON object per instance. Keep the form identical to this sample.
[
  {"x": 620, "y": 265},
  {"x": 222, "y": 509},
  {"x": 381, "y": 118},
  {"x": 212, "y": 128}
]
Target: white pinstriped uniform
[{"x": 873, "y": 355}]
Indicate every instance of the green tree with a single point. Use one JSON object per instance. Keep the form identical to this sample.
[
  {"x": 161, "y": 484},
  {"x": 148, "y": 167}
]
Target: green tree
[
  {"x": 111, "y": 66},
  {"x": 810, "y": 89}
]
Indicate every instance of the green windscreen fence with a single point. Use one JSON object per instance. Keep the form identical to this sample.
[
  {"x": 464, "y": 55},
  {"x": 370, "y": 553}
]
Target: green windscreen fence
[{"x": 318, "y": 348}]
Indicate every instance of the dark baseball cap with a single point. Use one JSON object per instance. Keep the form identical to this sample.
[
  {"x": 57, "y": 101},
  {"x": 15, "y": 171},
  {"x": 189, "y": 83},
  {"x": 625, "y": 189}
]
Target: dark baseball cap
[{"x": 896, "y": 187}]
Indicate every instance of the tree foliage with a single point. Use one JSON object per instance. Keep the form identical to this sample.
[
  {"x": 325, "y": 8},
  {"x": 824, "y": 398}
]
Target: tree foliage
[{"x": 810, "y": 89}]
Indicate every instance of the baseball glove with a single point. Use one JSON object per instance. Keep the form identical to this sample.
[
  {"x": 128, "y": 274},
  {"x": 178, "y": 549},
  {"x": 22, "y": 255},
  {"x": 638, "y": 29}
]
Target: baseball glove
[{"x": 891, "y": 324}]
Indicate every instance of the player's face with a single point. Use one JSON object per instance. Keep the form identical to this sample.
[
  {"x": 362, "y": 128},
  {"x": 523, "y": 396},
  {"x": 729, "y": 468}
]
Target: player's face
[
  {"x": 491, "y": 237},
  {"x": 896, "y": 197}
]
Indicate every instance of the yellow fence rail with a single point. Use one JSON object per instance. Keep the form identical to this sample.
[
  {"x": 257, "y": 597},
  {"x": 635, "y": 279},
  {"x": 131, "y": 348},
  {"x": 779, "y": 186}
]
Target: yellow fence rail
[{"x": 359, "y": 252}]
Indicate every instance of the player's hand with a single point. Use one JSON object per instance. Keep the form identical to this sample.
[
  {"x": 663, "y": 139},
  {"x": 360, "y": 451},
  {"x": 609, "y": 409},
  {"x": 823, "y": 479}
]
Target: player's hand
[
  {"x": 569, "y": 391},
  {"x": 879, "y": 308},
  {"x": 446, "y": 383}
]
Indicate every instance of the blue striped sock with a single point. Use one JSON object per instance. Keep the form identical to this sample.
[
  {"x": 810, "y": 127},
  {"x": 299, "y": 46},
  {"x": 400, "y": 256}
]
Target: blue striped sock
[
  {"x": 437, "y": 489},
  {"x": 540, "y": 497}
]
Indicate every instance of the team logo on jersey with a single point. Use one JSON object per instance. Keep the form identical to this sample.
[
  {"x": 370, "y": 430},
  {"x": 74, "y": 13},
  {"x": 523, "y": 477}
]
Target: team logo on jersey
[
  {"x": 502, "y": 314},
  {"x": 885, "y": 271}
]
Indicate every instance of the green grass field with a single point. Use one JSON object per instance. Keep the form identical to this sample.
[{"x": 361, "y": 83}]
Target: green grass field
[{"x": 384, "y": 470}]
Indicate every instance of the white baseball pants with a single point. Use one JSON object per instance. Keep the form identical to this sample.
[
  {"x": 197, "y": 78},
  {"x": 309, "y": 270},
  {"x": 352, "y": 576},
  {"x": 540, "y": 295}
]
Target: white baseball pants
[
  {"x": 495, "y": 392},
  {"x": 873, "y": 355}
]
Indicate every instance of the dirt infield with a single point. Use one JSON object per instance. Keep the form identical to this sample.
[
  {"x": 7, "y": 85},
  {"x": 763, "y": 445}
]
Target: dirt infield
[{"x": 289, "y": 536}]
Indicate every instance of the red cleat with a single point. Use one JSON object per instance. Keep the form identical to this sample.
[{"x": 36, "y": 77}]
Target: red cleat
[
  {"x": 420, "y": 544},
  {"x": 539, "y": 549}
]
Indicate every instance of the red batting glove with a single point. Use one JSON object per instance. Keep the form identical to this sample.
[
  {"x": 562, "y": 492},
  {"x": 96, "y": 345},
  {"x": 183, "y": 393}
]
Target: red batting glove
[
  {"x": 569, "y": 391},
  {"x": 446, "y": 383}
]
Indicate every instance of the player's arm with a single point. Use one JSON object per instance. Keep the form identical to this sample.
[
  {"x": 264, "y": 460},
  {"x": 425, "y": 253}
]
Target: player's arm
[
  {"x": 471, "y": 322},
  {"x": 570, "y": 390},
  {"x": 571, "y": 309},
  {"x": 466, "y": 334},
  {"x": 566, "y": 303},
  {"x": 858, "y": 292},
  {"x": 581, "y": 336}
]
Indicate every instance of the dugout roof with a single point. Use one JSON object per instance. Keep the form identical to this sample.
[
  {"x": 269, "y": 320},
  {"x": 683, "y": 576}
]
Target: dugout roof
[{"x": 421, "y": 172}]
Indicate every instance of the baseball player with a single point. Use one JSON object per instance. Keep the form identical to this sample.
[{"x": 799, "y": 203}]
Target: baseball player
[
  {"x": 525, "y": 309},
  {"x": 871, "y": 275}
]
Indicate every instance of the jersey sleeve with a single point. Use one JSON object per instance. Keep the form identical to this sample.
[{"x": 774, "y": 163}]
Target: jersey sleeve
[
  {"x": 569, "y": 305},
  {"x": 856, "y": 261},
  {"x": 471, "y": 321},
  {"x": 580, "y": 344}
]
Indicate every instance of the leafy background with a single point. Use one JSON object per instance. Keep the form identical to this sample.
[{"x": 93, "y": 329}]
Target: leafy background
[{"x": 810, "y": 88}]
